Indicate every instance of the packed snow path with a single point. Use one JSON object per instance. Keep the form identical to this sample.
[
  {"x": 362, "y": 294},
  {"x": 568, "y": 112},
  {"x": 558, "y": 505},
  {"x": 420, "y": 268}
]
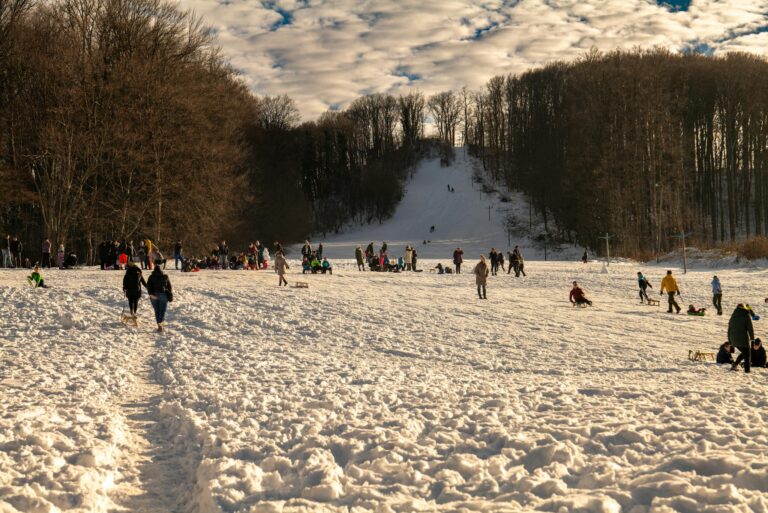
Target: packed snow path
[{"x": 378, "y": 392}]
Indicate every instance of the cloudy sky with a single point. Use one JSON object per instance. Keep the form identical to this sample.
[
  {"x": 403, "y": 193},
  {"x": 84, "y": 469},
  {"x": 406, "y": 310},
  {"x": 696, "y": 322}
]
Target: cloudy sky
[{"x": 326, "y": 53}]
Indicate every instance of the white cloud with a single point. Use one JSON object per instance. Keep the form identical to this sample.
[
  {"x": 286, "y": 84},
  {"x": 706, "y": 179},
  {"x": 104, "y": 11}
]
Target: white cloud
[{"x": 327, "y": 53}]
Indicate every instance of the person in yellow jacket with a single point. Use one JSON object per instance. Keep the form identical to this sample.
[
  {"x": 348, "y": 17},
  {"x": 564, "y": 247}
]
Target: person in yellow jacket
[{"x": 669, "y": 284}]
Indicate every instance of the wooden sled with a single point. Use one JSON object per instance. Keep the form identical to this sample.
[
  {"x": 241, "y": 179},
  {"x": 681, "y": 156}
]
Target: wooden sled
[
  {"x": 301, "y": 285},
  {"x": 653, "y": 302},
  {"x": 700, "y": 356}
]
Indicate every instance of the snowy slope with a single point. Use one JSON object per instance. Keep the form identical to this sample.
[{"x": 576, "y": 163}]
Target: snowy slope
[
  {"x": 460, "y": 218},
  {"x": 377, "y": 392}
]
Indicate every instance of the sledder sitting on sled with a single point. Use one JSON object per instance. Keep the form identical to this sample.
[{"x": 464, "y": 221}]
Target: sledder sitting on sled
[
  {"x": 36, "y": 279},
  {"x": 577, "y": 297},
  {"x": 692, "y": 310},
  {"x": 725, "y": 352}
]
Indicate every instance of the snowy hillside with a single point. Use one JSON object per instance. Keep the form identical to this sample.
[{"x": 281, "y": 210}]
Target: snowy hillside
[
  {"x": 460, "y": 218},
  {"x": 377, "y": 392}
]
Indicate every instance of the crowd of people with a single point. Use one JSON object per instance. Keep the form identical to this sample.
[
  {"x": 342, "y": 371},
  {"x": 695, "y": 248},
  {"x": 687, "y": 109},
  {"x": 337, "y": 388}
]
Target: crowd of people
[{"x": 147, "y": 256}]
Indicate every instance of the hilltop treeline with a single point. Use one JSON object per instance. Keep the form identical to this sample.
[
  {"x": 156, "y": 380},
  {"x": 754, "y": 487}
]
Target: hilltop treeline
[
  {"x": 120, "y": 120},
  {"x": 643, "y": 145}
]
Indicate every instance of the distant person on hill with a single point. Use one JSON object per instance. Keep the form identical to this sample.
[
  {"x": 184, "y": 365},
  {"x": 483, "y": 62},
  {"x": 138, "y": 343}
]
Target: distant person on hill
[
  {"x": 520, "y": 263},
  {"x": 281, "y": 265},
  {"x": 493, "y": 257},
  {"x": 306, "y": 250},
  {"x": 408, "y": 257},
  {"x": 320, "y": 251},
  {"x": 644, "y": 285},
  {"x": 414, "y": 258},
  {"x": 458, "y": 259},
  {"x": 46, "y": 251},
  {"x": 514, "y": 263},
  {"x": 481, "y": 277},
  {"x": 500, "y": 260},
  {"x": 717, "y": 295},
  {"x": 60, "y": 256},
  {"x": 584, "y": 257},
  {"x": 724, "y": 354},
  {"x": 669, "y": 285},
  {"x": 577, "y": 296},
  {"x": 758, "y": 353},
  {"x": 178, "y": 249},
  {"x": 740, "y": 335},
  {"x": 369, "y": 251},
  {"x": 359, "y": 258},
  {"x": 439, "y": 268},
  {"x": 160, "y": 293},
  {"x": 384, "y": 247},
  {"x": 327, "y": 268}
]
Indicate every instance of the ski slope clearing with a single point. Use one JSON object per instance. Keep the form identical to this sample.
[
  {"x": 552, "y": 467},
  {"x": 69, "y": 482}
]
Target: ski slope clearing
[
  {"x": 378, "y": 392},
  {"x": 461, "y": 218}
]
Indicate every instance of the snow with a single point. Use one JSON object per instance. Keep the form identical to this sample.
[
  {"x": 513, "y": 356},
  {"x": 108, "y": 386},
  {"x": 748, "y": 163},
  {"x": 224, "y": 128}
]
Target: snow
[
  {"x": 461, "y": 218},
  {"x": 378, "y": 392}
]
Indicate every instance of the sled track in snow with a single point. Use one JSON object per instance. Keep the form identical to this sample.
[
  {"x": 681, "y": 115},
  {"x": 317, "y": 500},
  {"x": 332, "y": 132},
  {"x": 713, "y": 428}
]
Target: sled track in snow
[{"x": 155, "y": 473}]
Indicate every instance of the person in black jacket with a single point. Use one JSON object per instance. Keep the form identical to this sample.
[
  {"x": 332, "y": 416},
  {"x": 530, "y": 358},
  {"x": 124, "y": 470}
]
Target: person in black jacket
[
  {"x": 224, "y": 255},
  {"x": 132, "y": 282},
  {"x": 758, "y": 353},
  {"x": 160, "y": 293},
  {"x": 724, "y": 355}
]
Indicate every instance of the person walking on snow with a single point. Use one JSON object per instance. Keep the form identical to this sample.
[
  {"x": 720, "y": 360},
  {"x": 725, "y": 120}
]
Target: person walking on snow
[
  {"x": 458, "y": 259},
  {"x": 494, "y": 261},
  {"x": 160, "y": 293},
  {"x": 408, "y": 257},
  {"x": 481, "y": 277},
  {"x": 132, "y": 282},
  {"x": 281, "y": 265},
  {"x": 717, "y": 295},
  {"x": 644, "y": 284},
  {"x": 669, "y": 285},
  {"x": 177, "y": 252},
  {"x": 741, "y": 334},
  {"x": 359, "y": 258}
]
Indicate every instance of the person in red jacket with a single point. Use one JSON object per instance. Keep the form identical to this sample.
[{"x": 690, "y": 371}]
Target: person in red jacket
[{"x": 577, "y": 296}]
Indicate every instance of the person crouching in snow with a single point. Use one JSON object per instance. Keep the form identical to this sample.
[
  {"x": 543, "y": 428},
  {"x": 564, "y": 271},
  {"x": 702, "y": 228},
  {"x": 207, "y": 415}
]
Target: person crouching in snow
[
  {"x": 758, "y": 354},
  {"x": 281, "y": 264},
  {"x": 577, "y": 297},
  {"x": 481, "y": 276},
  {"x": 327, "y": 266},
  {"x": 36, "y": 279},
  {"x": 740, "y": 335},
  {"x": 725, "y": 352}
]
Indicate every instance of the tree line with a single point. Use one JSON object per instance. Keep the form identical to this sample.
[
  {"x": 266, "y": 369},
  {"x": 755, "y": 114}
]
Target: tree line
[
  {"x": 119, "y": 119},
  {"x": 644, "y": 145}
]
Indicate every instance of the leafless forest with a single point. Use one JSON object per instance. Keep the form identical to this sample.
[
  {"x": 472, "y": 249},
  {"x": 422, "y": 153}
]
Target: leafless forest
[{"x": 119, "y": 119}]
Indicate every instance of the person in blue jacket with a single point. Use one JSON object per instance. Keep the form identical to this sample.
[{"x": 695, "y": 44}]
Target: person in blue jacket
[
  {"x": 717, "y": 295},
  {"x": 644, "y": 284}
]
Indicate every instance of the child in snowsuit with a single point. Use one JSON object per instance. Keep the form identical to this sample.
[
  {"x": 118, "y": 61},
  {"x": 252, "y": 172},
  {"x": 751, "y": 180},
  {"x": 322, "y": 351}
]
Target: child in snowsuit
[
  {"x": 758, "y": 354},
  {"x": 725, "y": 352},
  {"x": 36, "y": 279}
]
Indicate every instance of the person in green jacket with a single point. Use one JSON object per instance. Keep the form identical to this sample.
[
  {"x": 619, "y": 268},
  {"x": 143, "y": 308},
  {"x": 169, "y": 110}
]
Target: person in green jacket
[
  {"x": 741, "y": 334},
  {"x": 36, "y": 279}
]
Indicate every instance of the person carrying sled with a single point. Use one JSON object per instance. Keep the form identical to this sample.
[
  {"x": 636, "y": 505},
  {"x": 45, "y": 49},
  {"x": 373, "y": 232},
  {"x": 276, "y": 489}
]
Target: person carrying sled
[
  {"x": 577, "y": 297},
  {"x": 644, "y": 284},
  {"x": 481, "y": 277},
  {"x": 740, "y": 335},
  {"x": 724, "y": 354},
  {"x": 160, "y": 294},
  {"x": 132, "y": 282},
  {"x": 669, "y": 285},
  {"x": 36, "y": 279},
  {"x": 281, "y": 265},
  {"x": 717, "y": 295}
]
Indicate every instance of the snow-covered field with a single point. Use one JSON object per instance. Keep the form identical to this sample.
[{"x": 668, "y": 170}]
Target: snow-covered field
[{"x": 377, "y": 392}]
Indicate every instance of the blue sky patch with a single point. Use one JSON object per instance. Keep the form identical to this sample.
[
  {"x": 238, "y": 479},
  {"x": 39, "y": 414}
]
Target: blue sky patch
[{"x": 675, "y": 5}]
